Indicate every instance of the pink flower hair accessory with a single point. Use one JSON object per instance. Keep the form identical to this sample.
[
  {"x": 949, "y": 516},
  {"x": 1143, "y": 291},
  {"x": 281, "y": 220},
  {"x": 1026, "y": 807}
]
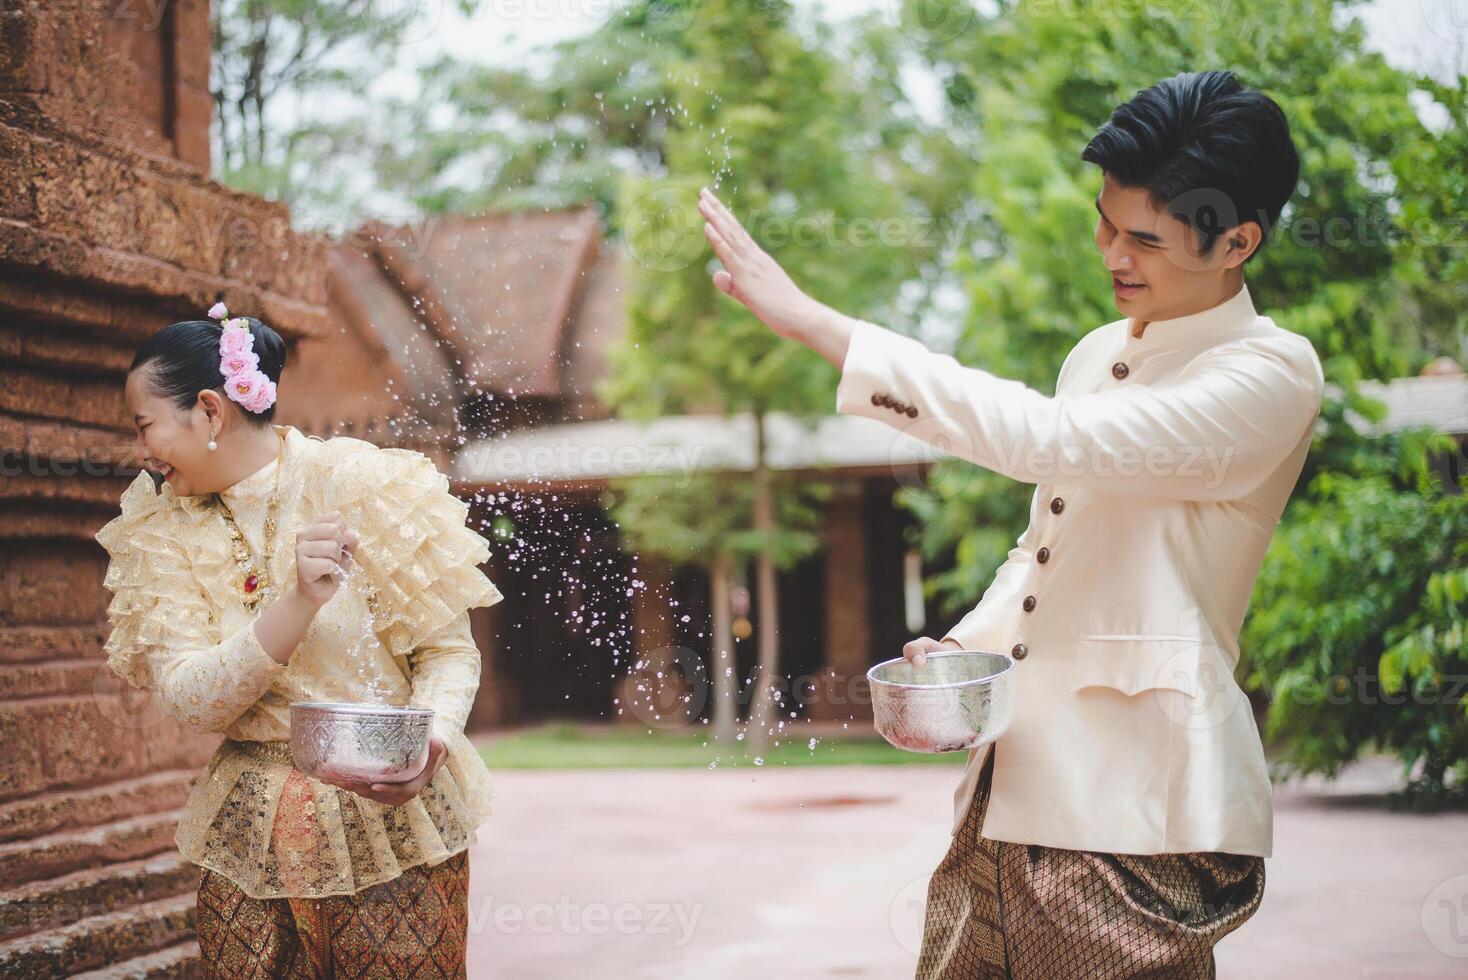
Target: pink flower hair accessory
[{"x": 244, "y": 382}]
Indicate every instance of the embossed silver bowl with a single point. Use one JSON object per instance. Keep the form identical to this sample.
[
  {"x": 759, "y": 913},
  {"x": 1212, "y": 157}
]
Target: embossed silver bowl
[
  {"x": 369, "y": 743},
  {"x": 959, "y": 699}
]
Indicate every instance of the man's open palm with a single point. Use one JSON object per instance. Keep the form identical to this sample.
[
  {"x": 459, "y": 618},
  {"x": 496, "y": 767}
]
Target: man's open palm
[{"x": 750, "y": 275}]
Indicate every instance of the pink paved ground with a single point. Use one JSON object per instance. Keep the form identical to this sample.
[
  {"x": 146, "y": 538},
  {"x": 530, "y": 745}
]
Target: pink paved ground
[{"x": 820, "y": 872}]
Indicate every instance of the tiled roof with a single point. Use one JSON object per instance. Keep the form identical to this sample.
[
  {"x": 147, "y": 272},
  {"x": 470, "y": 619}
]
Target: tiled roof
[
  {"x": 1432, "y": 402},
  {"x": 499, "y": 290},
  {"x": 521, "y": 305},
  {"x": 365, "y": 297},
  {"x": 588, "y": 453}
]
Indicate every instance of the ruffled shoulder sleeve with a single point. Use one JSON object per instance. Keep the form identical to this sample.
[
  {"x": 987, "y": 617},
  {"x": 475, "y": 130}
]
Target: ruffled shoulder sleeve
[
  {"x": 417, "y": 548},
  {"x": 148, "y": 576}
]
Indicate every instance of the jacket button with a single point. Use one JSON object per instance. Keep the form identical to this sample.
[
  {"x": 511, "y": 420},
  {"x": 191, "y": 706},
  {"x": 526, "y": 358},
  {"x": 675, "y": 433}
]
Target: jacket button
[
  {"x": 876, "y": 399},
  {"x": 1042, "y": 556},
  {"x": 1056, "y": 505},
  {"x": 1029, "y": 603},
  {"x": 1019, "y": 652},
  {"x": 1119, "y": 370},
  {"x": 912, "y": 411}
]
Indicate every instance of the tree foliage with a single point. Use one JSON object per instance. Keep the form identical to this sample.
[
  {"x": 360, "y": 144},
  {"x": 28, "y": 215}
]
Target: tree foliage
[{"x": 286, "y": 78}]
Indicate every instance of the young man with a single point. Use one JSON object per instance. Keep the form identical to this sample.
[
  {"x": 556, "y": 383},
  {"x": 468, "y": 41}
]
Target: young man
[{"x": 1130, "y": 810}]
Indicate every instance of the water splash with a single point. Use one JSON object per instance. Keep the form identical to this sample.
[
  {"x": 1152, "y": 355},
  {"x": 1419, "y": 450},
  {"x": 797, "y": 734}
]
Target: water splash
[{"x": 372, "y": 686}]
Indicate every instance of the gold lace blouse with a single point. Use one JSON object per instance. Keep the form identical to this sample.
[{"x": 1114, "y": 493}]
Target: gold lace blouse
[{"x": 180, "y": 629}]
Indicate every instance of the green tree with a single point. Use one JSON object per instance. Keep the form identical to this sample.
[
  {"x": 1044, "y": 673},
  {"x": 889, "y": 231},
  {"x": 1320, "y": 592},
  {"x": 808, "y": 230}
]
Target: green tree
[
  {"x": 563, "y": 130},
  {"x": 704, "y": 519},
  {"x": 1360, "y": 623},
  {"x": 754, "y": 98},
  {"x": 319, "y": 55}
]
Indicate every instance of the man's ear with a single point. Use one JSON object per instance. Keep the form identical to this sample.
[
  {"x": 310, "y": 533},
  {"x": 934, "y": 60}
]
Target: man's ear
[{"x": 1243, "y": 240}]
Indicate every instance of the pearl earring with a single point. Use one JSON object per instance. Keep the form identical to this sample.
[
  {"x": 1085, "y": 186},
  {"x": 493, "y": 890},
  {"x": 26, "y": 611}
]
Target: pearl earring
[{"x": 212, "y": 444}]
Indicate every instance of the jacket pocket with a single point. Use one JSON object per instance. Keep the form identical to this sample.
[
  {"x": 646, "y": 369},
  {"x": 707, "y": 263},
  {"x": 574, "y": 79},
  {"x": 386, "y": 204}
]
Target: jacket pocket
[{"x": 1132, "y": 663}]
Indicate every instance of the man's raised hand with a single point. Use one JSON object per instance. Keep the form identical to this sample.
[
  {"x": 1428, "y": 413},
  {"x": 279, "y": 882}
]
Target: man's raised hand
[{"x": 752, "y": 277}]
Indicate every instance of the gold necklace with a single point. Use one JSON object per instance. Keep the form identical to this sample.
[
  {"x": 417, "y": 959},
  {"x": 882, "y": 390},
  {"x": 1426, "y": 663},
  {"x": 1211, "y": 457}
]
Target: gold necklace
[{"x": 255, "y": 583}]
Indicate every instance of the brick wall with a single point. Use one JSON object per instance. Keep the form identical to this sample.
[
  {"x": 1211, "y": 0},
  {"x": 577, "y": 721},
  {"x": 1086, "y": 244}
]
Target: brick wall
[{"x": 109, "y": 228}]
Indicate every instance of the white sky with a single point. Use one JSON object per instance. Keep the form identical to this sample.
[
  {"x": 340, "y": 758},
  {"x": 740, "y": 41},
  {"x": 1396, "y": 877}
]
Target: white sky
[
  {"x": 1426, "y": 35},
  {"x": 503, "y": 31}
]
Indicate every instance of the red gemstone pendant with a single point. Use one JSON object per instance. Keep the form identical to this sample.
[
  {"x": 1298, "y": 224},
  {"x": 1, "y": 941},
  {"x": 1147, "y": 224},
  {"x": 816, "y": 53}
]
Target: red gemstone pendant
[{"x": 252, "y": 582}]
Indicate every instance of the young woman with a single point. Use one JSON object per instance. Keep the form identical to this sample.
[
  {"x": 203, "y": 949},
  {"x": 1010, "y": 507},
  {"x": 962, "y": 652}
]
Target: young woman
[
  {"x": 252, "y": 567},
  {"x": 1130, "y": 811}
]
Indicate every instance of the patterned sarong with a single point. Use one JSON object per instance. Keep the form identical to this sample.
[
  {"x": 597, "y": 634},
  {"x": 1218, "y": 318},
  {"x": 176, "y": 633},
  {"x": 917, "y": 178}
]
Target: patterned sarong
[
  {"x": 415, "y": 925},
  {"x": 997, "y": 909}
]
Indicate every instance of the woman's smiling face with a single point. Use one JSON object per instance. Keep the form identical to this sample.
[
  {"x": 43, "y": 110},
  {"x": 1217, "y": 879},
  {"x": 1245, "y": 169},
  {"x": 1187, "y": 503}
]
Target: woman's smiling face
[{"x": 171, "y": 442}]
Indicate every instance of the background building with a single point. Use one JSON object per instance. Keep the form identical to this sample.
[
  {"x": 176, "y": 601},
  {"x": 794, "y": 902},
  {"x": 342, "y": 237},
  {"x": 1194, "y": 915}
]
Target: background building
[{"x": 482, "y": 342}]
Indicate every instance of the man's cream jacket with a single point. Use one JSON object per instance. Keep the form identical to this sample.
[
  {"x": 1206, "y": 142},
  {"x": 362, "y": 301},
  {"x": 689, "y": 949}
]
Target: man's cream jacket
[{"x": 1161, "y": 467}]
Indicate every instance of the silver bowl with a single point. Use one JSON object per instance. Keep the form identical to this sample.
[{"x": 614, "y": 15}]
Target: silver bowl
[
  {"x": 958, "y": 700},
  {"x": 368, "y": 743}
]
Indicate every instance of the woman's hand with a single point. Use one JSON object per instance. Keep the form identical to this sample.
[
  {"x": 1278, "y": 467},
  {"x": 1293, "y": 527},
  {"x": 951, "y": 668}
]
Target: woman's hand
[
  {"x": 321, "y": 551},
  {"x": 916, "y": 651},
  {"x": 396, "y": 794},
  {"x": 755, "y": 279}
]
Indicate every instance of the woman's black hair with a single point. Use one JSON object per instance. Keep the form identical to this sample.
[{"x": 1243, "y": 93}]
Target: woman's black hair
[
  {"x": 1208, "y": 150},
  {"x": 183, "y": 360}
]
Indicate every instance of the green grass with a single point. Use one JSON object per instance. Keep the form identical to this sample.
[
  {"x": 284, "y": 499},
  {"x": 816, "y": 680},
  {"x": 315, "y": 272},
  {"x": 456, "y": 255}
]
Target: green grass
[{"x": 568, "y": 746}]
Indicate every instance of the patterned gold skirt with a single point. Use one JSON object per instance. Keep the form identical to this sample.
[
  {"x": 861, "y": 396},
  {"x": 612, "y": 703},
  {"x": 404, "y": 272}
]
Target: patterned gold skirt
[
  {"x": 997, "y": 909},
  {"x": 414, "y": 925}
]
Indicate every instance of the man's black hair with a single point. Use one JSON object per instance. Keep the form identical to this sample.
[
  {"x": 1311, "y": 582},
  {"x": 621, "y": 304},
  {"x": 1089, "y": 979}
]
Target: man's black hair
[{"x": 1206, "y": 148}]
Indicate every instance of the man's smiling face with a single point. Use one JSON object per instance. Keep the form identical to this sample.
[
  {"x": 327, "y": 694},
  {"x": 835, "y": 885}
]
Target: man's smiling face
[{"x": 1157, "y": 270}]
